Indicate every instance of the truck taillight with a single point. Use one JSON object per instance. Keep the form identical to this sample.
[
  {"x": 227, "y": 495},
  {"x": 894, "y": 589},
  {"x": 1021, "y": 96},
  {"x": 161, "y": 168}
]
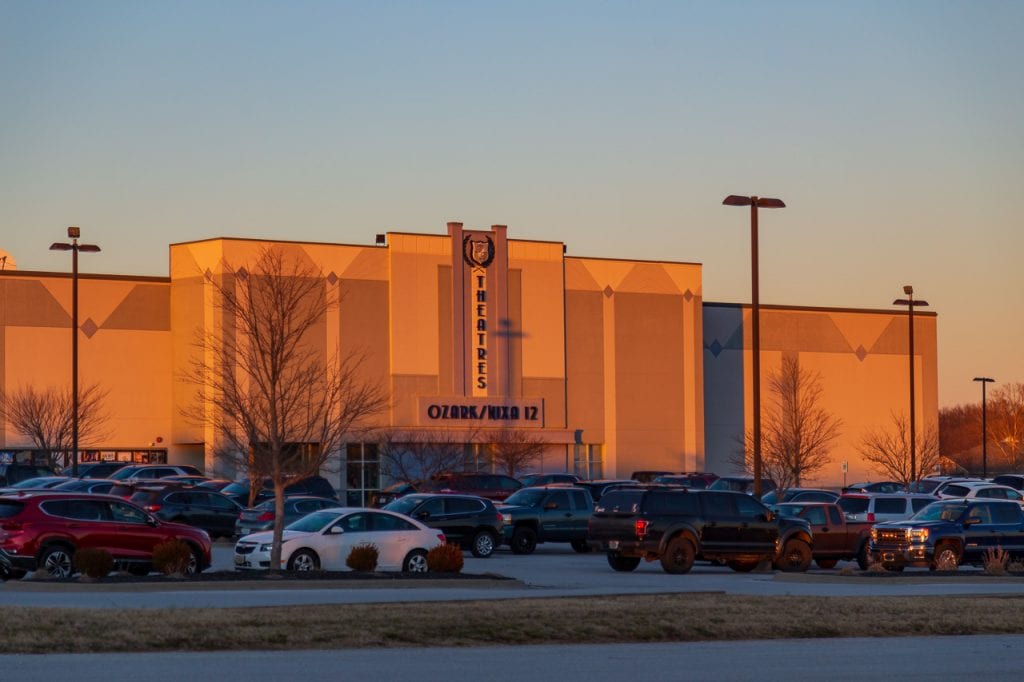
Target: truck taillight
[
  {"x": 266, "y": 516},
  {"x": 871, "y": 517},
  {"x": 442, "y": 538},
  {"x": 641, "y": 527},
  {"x": 153, "y": 508}
]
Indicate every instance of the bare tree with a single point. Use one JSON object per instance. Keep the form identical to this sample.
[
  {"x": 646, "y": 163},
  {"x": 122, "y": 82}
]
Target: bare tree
[
  {"x": 960, "y": 435},
  {"x": 797, "y": 434},
  {"x": 889, "y": 449},
  {"x": 280, "y": 404},
  {"x": 1006, "y": 423},
  {"x": 409, "y": 457},
  {"x": 515, "y": 450},
  {"x": 45, "y": 417}
]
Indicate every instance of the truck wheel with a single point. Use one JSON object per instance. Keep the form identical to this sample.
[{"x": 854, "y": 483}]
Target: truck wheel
[
  {"x": 524, "y": 540},
  {"x": 826, "y": 563},
  {"x": 581, "y": 546},
  {"x": 795, "y": 557},
  {"x": 678, "y": 556},
  {"x": 947, "y": 557},
  {"x": 623, "y": 563}
]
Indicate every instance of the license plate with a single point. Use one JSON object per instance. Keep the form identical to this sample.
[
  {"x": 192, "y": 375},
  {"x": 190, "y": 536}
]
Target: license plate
[
  {"x": 240, "y": 561},
  {"x": 613, "y": 544}
]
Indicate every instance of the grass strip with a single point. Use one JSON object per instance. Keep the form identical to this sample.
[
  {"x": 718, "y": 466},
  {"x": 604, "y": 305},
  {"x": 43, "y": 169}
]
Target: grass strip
[{"x": 570, "y": 620}]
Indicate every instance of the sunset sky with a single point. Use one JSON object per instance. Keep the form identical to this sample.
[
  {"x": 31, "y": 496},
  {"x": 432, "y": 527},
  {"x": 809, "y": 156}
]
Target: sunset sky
[{"x": 894, "y": 132}]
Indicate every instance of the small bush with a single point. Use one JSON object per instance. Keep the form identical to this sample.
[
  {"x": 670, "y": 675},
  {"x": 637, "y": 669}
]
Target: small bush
[
  {"x": 995, "y": 561},
  {"x": 848, "y": 570},
  {"x": 363, "y": 557},
  {"x": 446, "y": 558},
  {"x": 877, "y": 567},
  {"x": 1015, "y": 567},
  {"x": 94, "y": 563},
  {"x": 172, "y": 557},
  {"x": 946, "y": 564}
]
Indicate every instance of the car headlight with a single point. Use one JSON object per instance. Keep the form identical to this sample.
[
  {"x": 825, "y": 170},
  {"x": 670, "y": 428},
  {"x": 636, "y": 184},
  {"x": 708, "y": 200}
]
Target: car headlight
[
  {"x": 918, "y": 534},
  {"x": 874, "y": 534},
  {"x": 267, "y": 547}
]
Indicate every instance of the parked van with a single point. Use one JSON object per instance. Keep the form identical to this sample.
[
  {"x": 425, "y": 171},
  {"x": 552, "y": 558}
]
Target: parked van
[{"x": 879, "y": 507}]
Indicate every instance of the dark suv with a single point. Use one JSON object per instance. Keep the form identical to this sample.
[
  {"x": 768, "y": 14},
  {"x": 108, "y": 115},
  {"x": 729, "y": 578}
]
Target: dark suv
[
  {"x": 213, "y": 512},
  {"x": 471, "y": 521},
  {"x": 45, "y": 529},
  {"x": 16, "y": 472},
  {"x": 317, "y": 486},
  {"x": 555, "y": 513},
  {"x": 677, "y": 525},
  {"x": 492, "y": 486}
]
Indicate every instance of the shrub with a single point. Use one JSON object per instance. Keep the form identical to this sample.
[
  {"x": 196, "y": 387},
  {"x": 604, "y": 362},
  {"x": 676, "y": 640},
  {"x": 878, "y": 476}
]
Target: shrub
[
  {"x": 1015, "y": 567},
  {"x": 995, "y": 561},
  {"x": 446, "y": 558},
  {"x": 363, "y": 557},
  {"x": 877, "y": 567},
  {"x": 946, "y": 564},
  {"x": 171, "y": 557},
  {"x": 848, "y": 570},
  {"x": 94, "y": 563}
]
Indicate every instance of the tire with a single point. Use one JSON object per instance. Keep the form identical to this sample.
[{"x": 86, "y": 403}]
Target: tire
[
  {"x": 948, "y": 553},
  {"x": 679, "y": 555},
  {"x": 58, "y": 561},
  {"x": 304, "y": 560},
  {"x": 194, "y": 563},
  {"x": 524, "y": 540},
  {"x": 742, "y": 565},
  {"x": 483, "y": 544},
  {"x": 826, "y": 563},
  {"x": 863, "y": 557},
  {"x": 623, "y": 564},
  {"x": 415, "y": 562},
  {"x": 795, "y": 557},
  {"x": 581, "y": 546}
]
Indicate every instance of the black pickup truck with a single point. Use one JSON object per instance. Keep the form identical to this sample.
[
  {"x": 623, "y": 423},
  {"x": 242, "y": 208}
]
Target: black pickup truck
[
  {"x": 554, "y": 513},
  {"x": 948, "y": 533},
  {"x": 677, "y": 526},
  {"x": 835, "y": 537}
]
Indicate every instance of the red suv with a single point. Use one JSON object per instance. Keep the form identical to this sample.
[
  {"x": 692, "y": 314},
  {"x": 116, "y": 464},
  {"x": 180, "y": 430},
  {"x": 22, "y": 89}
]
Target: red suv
[{"x": 44, "y": 530}]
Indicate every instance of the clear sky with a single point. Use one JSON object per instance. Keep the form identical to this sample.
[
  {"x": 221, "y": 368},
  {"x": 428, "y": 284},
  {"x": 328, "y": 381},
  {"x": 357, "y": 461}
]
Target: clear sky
[{"x": 894, "y": 131}]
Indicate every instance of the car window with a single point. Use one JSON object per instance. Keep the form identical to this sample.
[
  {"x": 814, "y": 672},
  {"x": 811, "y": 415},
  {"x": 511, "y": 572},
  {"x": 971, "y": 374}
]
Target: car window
[
  {"x": 355, "y": 523},
  {"x": 9, "y": 509},
  {"x": 719, "y": 505},
  {"x": 506, "y": 483},
  {"x": 126, "y": 513},
  {"x": 955, "y": 490},
  {"x": 87, "y": 510},
  {"x": 815, "y": 515},
  {"x": 579, "y": 499},
  {"x": 220, "y": 502},
  {"x": 435, "y": 506},
  {"x": 890, "y": 505},
  {"x": 387, "y": 522},
  {"x": 816, "y": 496},
  {"x": 462, "y": 505},
  {"x": 305, "y": 506},
  {"x": 748, "y": 507},
  {"x": 619, "y": 501},
  {"x": 853, "y": 505},
  {"x": 179, "y": 498},
  {"x": 836, "y": 515},
  {"x": 996, "y": 493},
  {"x": 982, "y": 512},
  {"x": 1005, "y": 513},
  {"x": 560, "y": 499}
]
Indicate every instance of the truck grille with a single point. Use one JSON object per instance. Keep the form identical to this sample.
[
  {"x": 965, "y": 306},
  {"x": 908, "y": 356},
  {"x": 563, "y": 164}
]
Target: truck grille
[
  {"x": 244, "y": 549},
  {"x": 891, "y": 536}
]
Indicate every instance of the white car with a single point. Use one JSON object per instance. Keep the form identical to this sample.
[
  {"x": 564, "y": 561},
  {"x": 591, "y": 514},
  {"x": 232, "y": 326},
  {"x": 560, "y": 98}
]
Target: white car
[
  {"x": 982, "y": 489},
  {"x": 322, "y": 541}
]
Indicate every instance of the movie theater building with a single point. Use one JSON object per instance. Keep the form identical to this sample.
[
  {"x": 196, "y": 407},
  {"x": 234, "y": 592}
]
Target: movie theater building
[{"x": 617, "y": 365}]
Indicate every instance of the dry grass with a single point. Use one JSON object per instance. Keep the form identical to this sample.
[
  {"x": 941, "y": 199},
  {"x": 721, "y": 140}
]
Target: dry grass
[{"x": 642, "y": 618}]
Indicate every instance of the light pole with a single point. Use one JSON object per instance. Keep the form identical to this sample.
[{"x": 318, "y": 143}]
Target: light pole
[
  {"x": 74, "y": 247},
  {"x": 984, "y": 427},
  {"x": 910, "y": 303},
  {"x": 755, "y": 313}
]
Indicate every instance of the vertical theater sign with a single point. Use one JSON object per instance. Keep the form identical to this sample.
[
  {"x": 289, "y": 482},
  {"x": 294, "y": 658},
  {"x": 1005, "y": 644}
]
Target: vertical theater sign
[{"x": 486, "y": 393}]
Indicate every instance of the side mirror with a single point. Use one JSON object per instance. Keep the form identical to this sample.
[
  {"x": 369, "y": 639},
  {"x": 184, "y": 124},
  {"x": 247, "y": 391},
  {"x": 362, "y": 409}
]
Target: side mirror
[
  {"x": 335, "y": 530},
  {"x": 151, "y": 521},
  {"x": 768, "y": 516}
]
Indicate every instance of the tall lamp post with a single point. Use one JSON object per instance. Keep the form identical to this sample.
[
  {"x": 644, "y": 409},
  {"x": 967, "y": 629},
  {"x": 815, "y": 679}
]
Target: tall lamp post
[
  {"x": 910, "y": 303},
  {"x": 74, "y": 247},
  {"x": 754, "y": 203},
  {"x": 984, "y": 427}
]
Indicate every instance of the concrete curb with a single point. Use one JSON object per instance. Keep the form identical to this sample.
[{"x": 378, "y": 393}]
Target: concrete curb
[{"x": 259, "y": 585}]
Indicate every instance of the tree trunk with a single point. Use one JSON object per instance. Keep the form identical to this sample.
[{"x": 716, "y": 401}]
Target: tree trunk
[{"x": 275, "y": 551}]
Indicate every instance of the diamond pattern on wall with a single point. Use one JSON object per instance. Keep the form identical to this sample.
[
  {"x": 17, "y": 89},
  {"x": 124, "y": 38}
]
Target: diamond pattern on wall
[
  {"x": 332, "y": 278},
  {"x": 608, "y": 292},
  {"x": 861, "y": 353},
  {"x": 89, "y": 328},
  {"x": 715, "y": 348},
  {"x": 688, "y": 295},
  {"x": 242, "y": 273}
]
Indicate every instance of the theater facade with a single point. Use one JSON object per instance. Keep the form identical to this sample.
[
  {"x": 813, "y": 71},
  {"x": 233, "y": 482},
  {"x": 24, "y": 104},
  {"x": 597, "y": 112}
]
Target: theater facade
[{"x": 616, "y": 365}]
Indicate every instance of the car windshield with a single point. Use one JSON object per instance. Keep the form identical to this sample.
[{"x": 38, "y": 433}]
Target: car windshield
[
  {"x": 235, "y": 489},
  {"x": 730, "y": 484},
  {"x": 404, "y": 505},
  {"x": 790, "y": 510},
  {"x": 123, "y": 473},
  {"x": 313, "y": 523},
  {"x": 529, "y": 479},
  {"x": 38, "y": 482},
  {"x": 941, "y": 511},
  {"x": 527, "y": 497}
]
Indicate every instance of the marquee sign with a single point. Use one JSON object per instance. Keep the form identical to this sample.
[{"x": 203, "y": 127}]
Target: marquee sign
[{"x": 489, "y": 412}]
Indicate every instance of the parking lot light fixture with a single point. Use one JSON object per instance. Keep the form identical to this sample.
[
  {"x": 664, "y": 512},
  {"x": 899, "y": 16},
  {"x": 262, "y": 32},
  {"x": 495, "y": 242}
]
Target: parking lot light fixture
[
  {"x": 754, "y": 203},
  {"x": 910, "y": 303},
  {"x": 984, "y": 426},
  {"x": 74, "y": 247}
]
